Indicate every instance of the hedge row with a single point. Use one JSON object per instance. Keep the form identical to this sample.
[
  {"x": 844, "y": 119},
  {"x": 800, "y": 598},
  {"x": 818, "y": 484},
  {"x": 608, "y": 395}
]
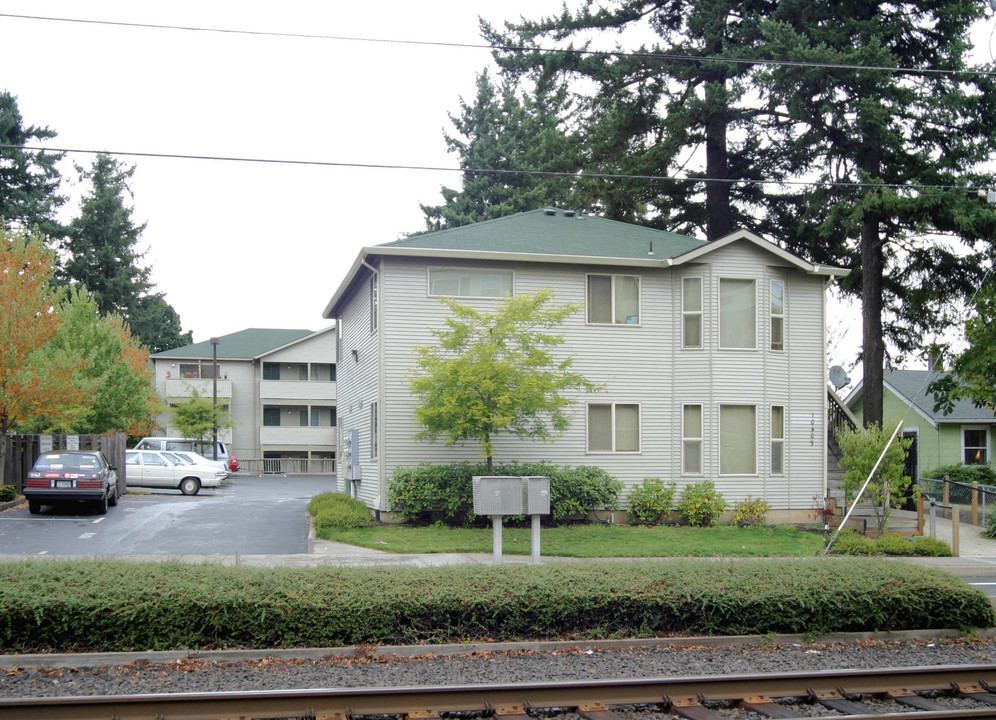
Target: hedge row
[
  {"x": 107, "y": 606},
  {"x": 428, "y": 492}
]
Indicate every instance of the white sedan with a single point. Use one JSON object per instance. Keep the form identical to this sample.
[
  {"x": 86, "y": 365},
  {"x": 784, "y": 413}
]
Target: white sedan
[
  {"x": 149, "y": 468},
  {"x": 192, "y": 458}
]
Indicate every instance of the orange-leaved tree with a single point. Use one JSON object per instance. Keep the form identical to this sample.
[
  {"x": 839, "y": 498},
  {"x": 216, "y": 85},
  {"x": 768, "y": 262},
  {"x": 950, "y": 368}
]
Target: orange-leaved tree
[{"x": 28, "y": 320}]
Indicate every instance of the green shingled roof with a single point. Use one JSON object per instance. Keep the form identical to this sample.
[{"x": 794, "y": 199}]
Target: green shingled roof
[
  {"x": 241, "y": 345},
  {"x": 555, "y": 232},
  {"x": 912, "y": 385}
]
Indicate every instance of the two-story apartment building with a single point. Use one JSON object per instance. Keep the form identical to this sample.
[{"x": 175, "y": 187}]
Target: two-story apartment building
[
  {"x": 279, "y": 386},
  {"x": 711, "y": 356}
]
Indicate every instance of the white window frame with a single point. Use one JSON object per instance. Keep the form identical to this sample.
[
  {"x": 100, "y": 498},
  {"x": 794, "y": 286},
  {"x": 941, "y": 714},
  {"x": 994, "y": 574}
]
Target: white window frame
[
  {"x": 470, "y": 271},
  {"x": 374, "y": 424},
  {"x": 686, "y": 438},
  {"x": 693, "y": 313},
  {"x": 964, "y": 447},
  {"x": 612, "y": 300},
  {"x": 613, "y": 406},
  {"x": 720, "y": 454},
  {"x": 777, "y": 442},
  {"x": 776, "y": 316},
  {"x": 719, "y": 313},
  {"x": 374, "y": 302}
]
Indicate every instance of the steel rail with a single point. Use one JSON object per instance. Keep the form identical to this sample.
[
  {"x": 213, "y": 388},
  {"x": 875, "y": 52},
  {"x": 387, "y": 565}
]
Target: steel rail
[{"x": 345, "y": 702}]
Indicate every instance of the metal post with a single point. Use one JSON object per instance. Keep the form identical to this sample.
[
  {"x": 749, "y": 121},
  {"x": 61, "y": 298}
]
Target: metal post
[
  {"x": 214, "y": 384},
  {"x": 955, "y": 532},
  {"x": 535, "y": 544},
  {"x": 933, "y": 523},
  {"x": 496, "y": 536}
]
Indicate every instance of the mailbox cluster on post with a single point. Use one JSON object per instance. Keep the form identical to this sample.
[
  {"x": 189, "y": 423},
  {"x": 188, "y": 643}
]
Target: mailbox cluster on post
[{"x": 499, "y": 496}]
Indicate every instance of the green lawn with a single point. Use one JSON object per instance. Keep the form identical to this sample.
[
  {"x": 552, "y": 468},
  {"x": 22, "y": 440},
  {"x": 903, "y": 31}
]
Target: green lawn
[{"x": 589, "y": 540}]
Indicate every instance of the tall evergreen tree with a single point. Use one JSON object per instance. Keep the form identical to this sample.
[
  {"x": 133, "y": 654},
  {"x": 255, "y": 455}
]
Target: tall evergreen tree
[
  {"x": 103, "y": 256},
  {"x": 505, "y": 133},
  {"x": 688, "y": 103},
  {"x": 29, "y": 179}
]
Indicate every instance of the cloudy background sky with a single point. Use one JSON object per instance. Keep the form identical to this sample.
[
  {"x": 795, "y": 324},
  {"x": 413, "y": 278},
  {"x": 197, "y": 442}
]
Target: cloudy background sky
[{"x": 233, "y": 244}]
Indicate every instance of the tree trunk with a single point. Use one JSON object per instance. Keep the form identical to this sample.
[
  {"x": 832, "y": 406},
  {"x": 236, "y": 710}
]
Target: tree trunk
[
  {"x": 719, "y": 217},
  {"x": 873, "y": 345}
]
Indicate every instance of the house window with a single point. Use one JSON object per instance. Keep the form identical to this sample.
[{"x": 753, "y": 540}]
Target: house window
[
  {"x": 302, "y": 418},
  {"x": 691, "y": 312},
  {"x": 332, "y": 372},
  {"x": 333, "y": 417},
  {"x": 737, "y": 314},
  {"x": 373, "y": 430},
  {"x": 613, "y": 427},
  {"x": 975, "y": 444},
  {"x": 614, "y": 299},
  {"x": 777, "y": 440},
  {"x": 470, "y": 282},
  {"x": 691, "y": 440},
  {"x": 777, "y": 315},
  {"x": 737, "y": 440},
  {"x": 374, "y": 302},
  {"x": 271, "y": 371},
  {"x": 271, "y": 417}
]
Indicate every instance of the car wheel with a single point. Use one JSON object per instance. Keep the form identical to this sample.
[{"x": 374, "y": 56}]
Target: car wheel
[
  {"x": 101, "y": 505},
  {"x": 112, "y": 499},
  {"x": 190, "y": 486},
  {"x": 34, "y": 507}
]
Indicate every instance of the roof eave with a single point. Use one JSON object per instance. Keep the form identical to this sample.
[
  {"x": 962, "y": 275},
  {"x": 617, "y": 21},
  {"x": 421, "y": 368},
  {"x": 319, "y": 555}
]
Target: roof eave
[{"x": 807, "y": 267}]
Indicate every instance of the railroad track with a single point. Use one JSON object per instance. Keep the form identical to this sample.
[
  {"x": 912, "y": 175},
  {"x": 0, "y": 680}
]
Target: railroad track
[{"x": 913, "y": 692}]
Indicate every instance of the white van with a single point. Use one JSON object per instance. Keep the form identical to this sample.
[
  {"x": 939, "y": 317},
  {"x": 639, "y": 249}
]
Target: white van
[{"x": 201, "y": 447}]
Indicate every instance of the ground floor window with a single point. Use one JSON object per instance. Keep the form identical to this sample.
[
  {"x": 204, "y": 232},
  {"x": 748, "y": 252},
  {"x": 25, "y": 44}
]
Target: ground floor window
[
  {"x": 777, "y": 440},
  {"x": 975, "y": 444},
  {"x": 613, "y": 427},
  {"x": 737, "y": 440},
  {"x": 691, "y": 440}
]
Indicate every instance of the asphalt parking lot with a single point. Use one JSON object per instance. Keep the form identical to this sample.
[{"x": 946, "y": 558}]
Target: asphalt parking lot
[{"x": 253, "y": 515}]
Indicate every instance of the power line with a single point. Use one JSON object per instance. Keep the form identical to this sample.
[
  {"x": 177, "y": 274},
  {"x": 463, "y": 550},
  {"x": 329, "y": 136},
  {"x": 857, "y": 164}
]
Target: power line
[
  {"x": 508, "y": 48},
  {"x": 486, "y": 171}
]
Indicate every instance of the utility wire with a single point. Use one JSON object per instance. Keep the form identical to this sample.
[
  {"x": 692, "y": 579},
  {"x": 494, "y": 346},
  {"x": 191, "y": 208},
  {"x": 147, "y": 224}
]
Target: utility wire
[
  {"x": 511, "y": 48},
  {"x": 487, "y": 171}
]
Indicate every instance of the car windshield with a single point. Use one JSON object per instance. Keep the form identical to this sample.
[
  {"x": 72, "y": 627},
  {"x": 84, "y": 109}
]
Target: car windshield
[{"x": 179, "y": 458}]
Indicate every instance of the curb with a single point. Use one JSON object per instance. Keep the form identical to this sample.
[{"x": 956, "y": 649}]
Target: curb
[
  {"x": 19, "y": 500},
  {"x": 80, "y": 660}
]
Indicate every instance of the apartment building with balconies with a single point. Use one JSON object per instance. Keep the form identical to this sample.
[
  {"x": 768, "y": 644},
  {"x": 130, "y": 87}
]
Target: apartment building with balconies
[{"x": 278, "y": 384}]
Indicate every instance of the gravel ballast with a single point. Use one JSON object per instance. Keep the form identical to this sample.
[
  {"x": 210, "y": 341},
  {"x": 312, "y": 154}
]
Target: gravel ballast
[{"x": 370, "y": 667}]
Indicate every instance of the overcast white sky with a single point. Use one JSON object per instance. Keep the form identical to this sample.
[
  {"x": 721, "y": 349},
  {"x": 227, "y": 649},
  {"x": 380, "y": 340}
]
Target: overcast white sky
[{"x": 237, "y": 245}]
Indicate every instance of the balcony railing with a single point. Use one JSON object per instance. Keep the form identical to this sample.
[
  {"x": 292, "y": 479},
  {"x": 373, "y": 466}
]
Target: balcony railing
[
  {"x": 184, "y": 387},
  {"x": 287, "y": 466},
  {"x": 296, "y": 390},
  {"x": 302, "y": 435}
]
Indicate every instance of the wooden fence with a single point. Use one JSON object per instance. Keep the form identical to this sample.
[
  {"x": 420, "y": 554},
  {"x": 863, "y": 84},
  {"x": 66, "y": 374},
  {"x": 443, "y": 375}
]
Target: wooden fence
[{"x": 21, "y": 451}]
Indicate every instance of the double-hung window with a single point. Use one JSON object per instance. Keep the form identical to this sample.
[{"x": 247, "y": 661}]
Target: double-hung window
[
  {"x": 975, "y": 445},
  {"x": 613, "y": 427},
  {"x": 691, "y": 440},
  {"x": 614, "y": 299},
  {"x": 737, "y": 440},
  {"x": 691, "y": 312},
  {"x": 777, "y": 314},
  {"x": 737, "y": 313},
  {"x": 777, "y": 440}
]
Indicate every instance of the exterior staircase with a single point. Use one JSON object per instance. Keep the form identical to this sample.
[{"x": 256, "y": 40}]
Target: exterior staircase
[{"x": 863, "y": 517}]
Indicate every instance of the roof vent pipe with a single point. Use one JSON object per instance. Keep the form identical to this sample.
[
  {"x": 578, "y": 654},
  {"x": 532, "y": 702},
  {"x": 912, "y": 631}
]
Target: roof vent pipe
[{"x": 651, "y": 250}]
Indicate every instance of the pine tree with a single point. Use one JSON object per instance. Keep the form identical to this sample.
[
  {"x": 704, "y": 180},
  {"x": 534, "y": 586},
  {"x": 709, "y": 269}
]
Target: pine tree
[
  {"x": 29, "y": 179},
  {"x": 103, "y": 256}
]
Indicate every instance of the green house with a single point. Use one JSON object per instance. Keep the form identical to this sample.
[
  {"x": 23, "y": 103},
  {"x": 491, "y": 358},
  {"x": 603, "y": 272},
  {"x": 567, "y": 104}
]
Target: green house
[{"x": 962, "y": 436}]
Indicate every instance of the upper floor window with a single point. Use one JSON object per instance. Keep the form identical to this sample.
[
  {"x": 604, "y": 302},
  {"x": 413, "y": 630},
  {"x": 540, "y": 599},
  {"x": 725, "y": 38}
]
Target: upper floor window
[
  {"x": 691, "y": 312},
  {"x": 271, "y": 417},
  {"x": 777, "y": 315},
  {"x": 271, "y": 371},
  {"x": 200, "y": 369},
  {"x": 737, "y": 313},
  {"x": 613, "y": 427},
  {"x": 470, "y": 282},
  {"x": 614, "y": 299}
]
